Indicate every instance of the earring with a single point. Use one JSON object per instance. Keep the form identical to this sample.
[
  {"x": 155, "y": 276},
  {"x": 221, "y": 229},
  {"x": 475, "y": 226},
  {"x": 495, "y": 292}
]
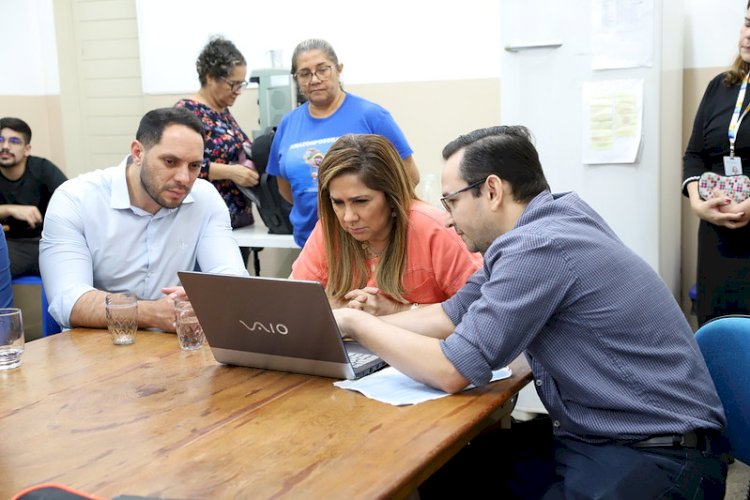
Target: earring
[{"x": 393, "y": 213}]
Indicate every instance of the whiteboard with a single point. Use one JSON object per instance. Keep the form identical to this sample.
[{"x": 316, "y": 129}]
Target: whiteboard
[{"x": 385, "y": 41}]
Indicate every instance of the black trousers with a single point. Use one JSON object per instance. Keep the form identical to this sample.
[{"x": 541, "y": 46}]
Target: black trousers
[
  {"x": 24, "y": 256},
  {"x": 526, "y": 461}
]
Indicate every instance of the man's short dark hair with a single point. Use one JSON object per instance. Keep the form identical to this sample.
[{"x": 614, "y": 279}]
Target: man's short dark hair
[
  {"x": 17, "y": 125},
  {"x": 506, "y": 151},
  {"x": 155, "y": 121}
]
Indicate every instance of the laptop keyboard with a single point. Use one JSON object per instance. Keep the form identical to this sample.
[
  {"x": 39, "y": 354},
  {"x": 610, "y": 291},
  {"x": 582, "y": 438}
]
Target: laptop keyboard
[{"x": 360, "y": 358}]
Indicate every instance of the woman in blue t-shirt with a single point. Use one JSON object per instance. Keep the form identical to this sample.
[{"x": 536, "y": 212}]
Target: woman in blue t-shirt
[{"x": 305, "y": 134}]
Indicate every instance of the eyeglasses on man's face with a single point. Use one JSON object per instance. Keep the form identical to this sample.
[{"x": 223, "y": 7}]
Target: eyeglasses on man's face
[
  {"x": 447, "y": 199},
  {"x": 323, "y": 73},
  {"x": 236, "y": 86},
  {"x": 16, "y": 141}
]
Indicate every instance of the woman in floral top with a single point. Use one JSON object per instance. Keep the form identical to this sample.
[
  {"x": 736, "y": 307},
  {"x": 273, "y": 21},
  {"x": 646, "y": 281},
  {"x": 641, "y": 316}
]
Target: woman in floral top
[{"x": 222, "y": 71}]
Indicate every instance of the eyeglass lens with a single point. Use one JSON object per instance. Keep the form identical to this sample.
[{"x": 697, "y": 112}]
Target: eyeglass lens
[
  {"x": 321, "y": 74},
  {"x": 236, "y": 86}
]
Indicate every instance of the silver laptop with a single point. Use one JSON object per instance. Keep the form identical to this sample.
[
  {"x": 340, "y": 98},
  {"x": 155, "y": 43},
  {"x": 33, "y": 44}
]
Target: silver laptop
[{"x": 274, "y": 324}]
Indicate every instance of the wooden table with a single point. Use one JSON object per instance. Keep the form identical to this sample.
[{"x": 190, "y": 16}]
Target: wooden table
[{"x": 152, "y": 420}]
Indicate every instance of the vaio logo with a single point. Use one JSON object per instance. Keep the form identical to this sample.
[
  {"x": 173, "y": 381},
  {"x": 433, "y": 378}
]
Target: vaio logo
[{"x": 279, "y": 328}]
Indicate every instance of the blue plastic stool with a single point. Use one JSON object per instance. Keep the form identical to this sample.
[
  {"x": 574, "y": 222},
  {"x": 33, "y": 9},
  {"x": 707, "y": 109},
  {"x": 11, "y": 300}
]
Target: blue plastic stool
[{"x": 49, "y": 325}]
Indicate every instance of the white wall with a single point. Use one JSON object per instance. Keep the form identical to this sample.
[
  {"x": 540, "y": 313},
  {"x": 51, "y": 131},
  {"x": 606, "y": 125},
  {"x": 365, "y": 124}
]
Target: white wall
[
  {"x": 442, "y": 40},
  {"x": 712, "y": 31},
  {"x": 384, "y": 41},
  {"x": 27, "y": 48}
]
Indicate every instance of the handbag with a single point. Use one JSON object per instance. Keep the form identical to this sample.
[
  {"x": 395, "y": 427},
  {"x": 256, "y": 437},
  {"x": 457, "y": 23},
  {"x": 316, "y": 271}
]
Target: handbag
[{"x": 735, "y": 187}]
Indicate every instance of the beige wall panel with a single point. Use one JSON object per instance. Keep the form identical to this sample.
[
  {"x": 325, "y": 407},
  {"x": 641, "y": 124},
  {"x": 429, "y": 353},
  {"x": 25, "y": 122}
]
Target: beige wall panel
[
  {"x": 431, "y": 114},
  {"x": 99, "y": 161},
  {"x": 111, "y": 68},
  {"x": 56, "y": 138},
  {"x": 42, "y": 113},
  {"x": 113, "y": 87},
  {"x": 108, "y": 49},
  {"x": 670, "y": 175},
  {"x": 106, "y": 9},
  {"x": 694, "y": 81},
  {"x": 108, "y": 30},
  {"x": 72, "y": 123},
  {"x": 111, "y": 144},
  {"x": 166, "y": 100},
  {"x": 114, "y": 125},
  {"x": 115, "y": 106}
]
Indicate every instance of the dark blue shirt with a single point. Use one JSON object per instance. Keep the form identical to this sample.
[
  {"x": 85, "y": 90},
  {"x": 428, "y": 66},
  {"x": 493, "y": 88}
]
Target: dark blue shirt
[
  {"x": 6, "y": 289},
  {"x": 612, "y": 353}
]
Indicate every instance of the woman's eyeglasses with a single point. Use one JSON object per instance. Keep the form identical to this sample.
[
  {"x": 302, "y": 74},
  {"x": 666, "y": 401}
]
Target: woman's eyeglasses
[
  {"x": 304, "y": 76},
  {"x": 236, "y": 86}
]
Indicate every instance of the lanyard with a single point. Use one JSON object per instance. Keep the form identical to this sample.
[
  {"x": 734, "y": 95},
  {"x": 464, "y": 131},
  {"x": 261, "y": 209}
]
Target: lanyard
[{"x": 734, "y": 124}]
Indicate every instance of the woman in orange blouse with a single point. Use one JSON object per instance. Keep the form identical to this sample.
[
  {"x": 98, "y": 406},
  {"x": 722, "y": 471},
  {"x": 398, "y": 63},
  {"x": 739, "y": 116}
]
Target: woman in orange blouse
[{"x": 376, "y": 246}]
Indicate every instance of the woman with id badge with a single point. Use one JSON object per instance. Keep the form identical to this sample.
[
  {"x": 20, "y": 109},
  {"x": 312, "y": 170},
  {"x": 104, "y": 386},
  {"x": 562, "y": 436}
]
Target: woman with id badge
[{"x": 716, "y": 166}]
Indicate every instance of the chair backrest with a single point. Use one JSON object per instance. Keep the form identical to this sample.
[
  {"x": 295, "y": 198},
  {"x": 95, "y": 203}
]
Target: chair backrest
[
  {"x": 49, "y": 325},
  {"x": 725, "y": 344},
  {"x": 272, "y": 207}
]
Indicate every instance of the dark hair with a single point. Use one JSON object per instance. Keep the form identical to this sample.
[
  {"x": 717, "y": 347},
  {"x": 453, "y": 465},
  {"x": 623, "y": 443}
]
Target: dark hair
[
  {"x": 313, "y": 44},
  {"x": 505, "y": 151},
  {"x": 217, "y": 59},
  {"x": 155, "y": 121},
  {"x": 17, "y": 125},
  {"x": 736, "y": 73}
]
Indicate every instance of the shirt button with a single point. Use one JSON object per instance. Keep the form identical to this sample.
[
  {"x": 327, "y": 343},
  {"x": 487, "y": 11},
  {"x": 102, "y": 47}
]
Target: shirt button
[
  {"x": 538, "y": 382},
  {"x": 556, "y": 423}
]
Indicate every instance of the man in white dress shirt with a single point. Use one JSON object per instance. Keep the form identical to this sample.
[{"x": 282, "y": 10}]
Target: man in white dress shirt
[{"x": 134, "y": 226}]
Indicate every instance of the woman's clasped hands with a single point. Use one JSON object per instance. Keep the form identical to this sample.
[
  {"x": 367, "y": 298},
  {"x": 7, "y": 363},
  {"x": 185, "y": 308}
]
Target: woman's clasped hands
[
  {"x": 720, "y": 210},
  {"x": 371, "y": 300}
]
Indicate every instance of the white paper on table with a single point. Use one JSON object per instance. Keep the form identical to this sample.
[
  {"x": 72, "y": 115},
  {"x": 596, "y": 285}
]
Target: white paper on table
[{"x": 393, "y": 387}]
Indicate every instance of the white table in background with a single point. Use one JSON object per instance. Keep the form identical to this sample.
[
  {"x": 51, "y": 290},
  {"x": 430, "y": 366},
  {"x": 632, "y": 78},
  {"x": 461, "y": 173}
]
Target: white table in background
[{"x": 257, "y": 237}]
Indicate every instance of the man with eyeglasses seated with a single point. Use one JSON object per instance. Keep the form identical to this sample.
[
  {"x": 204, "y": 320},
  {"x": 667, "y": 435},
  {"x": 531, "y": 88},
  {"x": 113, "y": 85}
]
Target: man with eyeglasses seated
[
  {"x": 306, "y": 133},
  {"x": 133, "y": 227},
  {"x": 26, "y": 185},
  {"x": 222, "y": 72},
  {"x": 633, "y": 410}
]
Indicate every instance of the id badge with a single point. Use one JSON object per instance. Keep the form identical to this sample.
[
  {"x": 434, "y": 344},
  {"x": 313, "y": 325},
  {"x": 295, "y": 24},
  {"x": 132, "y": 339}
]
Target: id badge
[{"x": 732, "y": 165}]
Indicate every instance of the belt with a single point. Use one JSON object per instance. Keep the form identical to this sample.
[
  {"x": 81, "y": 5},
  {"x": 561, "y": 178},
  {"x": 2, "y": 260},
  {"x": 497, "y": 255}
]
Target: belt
[{"x": 694, "y": 439}]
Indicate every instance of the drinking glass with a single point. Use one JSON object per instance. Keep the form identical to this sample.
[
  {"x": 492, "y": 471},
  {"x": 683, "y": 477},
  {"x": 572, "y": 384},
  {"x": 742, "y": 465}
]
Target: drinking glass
[
  {"x": 189, "y": 331},
  {"x": 11, "y": 338},
  {"x": 122, "y": 317}
]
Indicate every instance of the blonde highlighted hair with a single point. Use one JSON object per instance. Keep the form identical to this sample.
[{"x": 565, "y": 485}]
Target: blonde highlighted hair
[{"x": 377, "y": 164}]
